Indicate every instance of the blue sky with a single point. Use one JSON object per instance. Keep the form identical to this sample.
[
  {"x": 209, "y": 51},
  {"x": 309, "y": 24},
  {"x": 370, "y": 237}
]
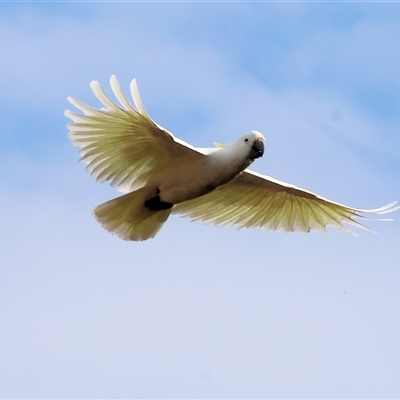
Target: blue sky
[{"x": 199, "y": 311}]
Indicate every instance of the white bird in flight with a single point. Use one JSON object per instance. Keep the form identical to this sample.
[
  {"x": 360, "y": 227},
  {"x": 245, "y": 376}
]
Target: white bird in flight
[{"x": 162, "y": 174}]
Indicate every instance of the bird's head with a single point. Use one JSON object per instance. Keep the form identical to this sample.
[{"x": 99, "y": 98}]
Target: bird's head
[
  {"x": 252, "y": 144},
  {"x": 242, "y": 152}
]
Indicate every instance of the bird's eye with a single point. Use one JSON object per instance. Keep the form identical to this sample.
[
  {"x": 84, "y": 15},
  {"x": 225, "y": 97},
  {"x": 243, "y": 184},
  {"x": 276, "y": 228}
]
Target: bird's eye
[{"x": 246, "y": 140}]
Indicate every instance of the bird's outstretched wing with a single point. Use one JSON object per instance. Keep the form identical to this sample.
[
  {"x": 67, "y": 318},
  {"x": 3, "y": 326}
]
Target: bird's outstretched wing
[
  {"x": 121, "y": 143},
  {"x": 253, "y": 200}
]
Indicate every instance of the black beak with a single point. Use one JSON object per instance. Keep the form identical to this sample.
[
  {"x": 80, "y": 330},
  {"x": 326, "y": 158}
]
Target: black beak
[{"x": 257, "y": 149}]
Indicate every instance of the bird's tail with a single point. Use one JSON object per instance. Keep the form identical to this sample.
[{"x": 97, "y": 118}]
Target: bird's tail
[{"x": 128, "y": 218}]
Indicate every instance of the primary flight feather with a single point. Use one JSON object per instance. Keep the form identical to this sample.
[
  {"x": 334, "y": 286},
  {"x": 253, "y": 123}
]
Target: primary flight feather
[{"x": 162, "y": 174}]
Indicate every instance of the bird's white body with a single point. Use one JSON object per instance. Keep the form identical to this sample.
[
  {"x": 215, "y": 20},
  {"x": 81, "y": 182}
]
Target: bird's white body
[
  {"x": 190, "y": 178},
  {"x": 163, "y": 174}
]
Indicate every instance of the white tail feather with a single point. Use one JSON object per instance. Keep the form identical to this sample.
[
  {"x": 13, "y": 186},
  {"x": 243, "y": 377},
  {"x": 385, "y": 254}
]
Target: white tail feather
[{"x": 128, "y": 218}]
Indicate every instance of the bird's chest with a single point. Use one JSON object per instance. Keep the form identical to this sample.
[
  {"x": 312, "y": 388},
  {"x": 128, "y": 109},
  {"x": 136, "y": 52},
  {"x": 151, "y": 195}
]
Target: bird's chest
[{"x": 189, "y": 182}]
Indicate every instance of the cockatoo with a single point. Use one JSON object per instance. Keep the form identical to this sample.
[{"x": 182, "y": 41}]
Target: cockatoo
[{"x": 162, "y": 174}]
